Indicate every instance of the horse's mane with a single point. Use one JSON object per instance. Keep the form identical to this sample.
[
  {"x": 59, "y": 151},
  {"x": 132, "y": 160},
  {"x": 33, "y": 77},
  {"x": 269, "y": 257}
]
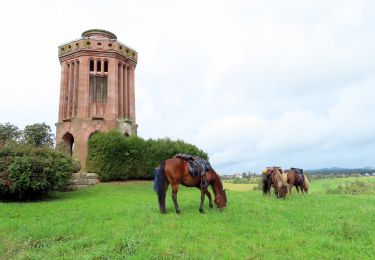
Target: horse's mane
[
  {"x": 216, "y": 179},
  {"x": 216, "y": 184},
  {"x": 277, "y": 173}
]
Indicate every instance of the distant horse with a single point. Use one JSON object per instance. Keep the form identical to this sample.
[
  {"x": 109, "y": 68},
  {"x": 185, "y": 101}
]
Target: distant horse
[
  {"x": 266, "y": 179},
  {"x": 297, "y": 180},
  {"x": 175, "y": 171},
  {"x": 281, "y": 188}
]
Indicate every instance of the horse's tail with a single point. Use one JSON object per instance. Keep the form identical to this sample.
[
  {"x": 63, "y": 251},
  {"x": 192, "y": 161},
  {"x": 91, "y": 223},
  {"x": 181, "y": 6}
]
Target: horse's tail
[
  {"x": 160, "y": 183},
  {"x": 306, "y": 183}
]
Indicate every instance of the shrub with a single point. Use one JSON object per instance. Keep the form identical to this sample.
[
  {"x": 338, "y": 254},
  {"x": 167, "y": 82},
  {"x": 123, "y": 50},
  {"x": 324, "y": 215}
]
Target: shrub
[
  {"x": 356, "y": 187},
  {"x": 116, "y": 157},
  {"x": 28, "y": 172}
]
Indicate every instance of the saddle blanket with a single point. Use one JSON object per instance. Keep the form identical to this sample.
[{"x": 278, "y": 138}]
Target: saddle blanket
[{"x": 197, "y": 165}]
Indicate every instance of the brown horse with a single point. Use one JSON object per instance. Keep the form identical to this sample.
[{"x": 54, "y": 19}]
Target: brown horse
[
  {"x": 175, "y": 171},
  {"x": 281, "y": 188},
  {"x": 297, "y": 180},
  {"x": 267, "y": 179}
]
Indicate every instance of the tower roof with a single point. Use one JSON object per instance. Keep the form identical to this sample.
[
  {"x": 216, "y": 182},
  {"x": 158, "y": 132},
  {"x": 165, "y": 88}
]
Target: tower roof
[{"x": 99, "y": 33}]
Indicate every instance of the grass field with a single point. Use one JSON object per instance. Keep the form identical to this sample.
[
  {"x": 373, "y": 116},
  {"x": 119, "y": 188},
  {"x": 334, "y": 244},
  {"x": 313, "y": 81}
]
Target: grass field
[{"x": 119, "y": 220}]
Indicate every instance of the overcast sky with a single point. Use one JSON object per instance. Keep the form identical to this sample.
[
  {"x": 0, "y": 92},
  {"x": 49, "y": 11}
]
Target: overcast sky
[{"x": 252, "y": 83}]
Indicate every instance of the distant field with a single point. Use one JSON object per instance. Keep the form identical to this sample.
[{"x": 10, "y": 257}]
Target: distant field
[
  {"x": 120, "y": 220},
  {"x": 239, "y": 187},
  {"x": 322, "y": 185},
  {"x": 316, "y": 186}
]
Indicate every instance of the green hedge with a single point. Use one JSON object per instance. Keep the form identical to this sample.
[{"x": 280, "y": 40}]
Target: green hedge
[
  {"x": 116, "y": 157},
  {"x": 28, "y": 172}
]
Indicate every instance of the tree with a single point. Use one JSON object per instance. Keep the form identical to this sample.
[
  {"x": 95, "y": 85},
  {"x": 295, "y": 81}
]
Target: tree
[
  {"x": 38, "y": 134},
  {"x": 9, "y": 132}
]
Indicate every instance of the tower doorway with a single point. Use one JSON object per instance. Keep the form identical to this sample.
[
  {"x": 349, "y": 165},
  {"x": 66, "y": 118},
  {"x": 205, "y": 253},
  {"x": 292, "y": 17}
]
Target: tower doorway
[{"x": 68, "y": 141}]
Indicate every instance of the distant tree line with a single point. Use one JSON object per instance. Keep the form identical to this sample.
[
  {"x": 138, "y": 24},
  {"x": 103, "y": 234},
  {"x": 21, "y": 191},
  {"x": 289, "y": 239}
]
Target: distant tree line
[{"x": 38, "y": 134}]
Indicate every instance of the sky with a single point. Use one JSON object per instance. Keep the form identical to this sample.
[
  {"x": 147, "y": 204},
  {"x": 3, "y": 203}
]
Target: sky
[{"x": 253, "y": 83}]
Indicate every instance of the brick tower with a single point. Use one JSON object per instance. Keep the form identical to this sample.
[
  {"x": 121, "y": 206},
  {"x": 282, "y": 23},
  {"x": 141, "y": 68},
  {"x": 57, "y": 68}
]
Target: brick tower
[{"x": 96, "y": 91}]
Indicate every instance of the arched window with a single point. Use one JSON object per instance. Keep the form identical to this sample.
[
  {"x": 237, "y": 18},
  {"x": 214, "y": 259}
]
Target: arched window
[
  {"x": 98, "y": 66},
  {"x": 105, "y": 66},
  {"x": 98, "y": 81}
]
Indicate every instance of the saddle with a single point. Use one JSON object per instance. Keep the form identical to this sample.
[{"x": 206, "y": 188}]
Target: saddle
[
  {"x": 300, "y": 175},
  {"x": 197, "y": 166}
]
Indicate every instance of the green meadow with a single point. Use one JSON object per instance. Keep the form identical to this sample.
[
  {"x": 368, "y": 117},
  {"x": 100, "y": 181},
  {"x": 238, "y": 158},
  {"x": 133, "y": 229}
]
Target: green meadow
[{"x": 122, "y": 220}]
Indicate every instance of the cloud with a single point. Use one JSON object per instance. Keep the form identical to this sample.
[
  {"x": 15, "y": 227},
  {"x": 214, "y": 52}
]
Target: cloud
[{"x": 253, "y": 83}]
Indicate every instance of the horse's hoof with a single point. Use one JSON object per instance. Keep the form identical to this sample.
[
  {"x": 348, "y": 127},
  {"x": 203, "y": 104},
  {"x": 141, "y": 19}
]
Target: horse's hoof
[
  {"x": 201, "y": 211},
  {"x": 178, "y": 211},
  {"x": 211, "y": 206}
]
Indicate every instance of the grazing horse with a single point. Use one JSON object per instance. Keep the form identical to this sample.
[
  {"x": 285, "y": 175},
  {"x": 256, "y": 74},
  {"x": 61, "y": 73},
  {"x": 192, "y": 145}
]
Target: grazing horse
[
  {"x": 297, "y": 180},
  {"x": 175, "y": 171},
  {"x": 281, "y": 188},
  {"x": 284, "y": 176},
  {"x": 266, "y": 179}
]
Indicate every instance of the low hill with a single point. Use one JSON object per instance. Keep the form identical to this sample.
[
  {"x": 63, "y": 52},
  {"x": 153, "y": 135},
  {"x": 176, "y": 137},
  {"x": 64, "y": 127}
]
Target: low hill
[{"x": 339, "y": 170}]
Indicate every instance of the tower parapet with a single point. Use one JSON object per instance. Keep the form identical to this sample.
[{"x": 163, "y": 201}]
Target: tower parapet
[{"x": 97, "y": 40}]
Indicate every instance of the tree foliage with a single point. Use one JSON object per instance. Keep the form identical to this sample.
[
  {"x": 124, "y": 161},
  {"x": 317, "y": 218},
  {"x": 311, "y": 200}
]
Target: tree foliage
[
  {"x": 9, "y": 132},
  {"x": 38, "y": 134},
  {"x": 115, "y": 157}
]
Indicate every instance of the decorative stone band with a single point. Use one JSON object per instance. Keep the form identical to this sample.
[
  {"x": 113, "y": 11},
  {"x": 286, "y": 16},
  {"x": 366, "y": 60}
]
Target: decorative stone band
[{"x": 96, "y": 44}]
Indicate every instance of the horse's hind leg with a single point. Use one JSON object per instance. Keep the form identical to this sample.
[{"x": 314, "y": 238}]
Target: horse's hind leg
[
  {"x": 209, "y": 198},
  {"x": 174, "y": 198}
]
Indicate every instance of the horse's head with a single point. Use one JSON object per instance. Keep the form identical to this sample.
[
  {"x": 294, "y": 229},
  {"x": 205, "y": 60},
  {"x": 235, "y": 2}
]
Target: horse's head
[
  {"x": 220, "y": 194},
  {"x": 283, "y": 191},
  {"x": 279, "y": 183},
  {"x": 221, "y": 200}
]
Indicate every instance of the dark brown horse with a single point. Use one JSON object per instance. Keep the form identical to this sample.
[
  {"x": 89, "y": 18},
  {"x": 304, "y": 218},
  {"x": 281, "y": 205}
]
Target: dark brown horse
[
  {"x": 175, "y": 171},
  {"x": 297, "y": 180}
]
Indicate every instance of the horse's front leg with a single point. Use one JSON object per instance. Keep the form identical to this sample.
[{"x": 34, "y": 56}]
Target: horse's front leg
[
  {"x": 174, "y": 198},
  {"x": 201, "y": 210},
  {"x": 209, "y": 198}
]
